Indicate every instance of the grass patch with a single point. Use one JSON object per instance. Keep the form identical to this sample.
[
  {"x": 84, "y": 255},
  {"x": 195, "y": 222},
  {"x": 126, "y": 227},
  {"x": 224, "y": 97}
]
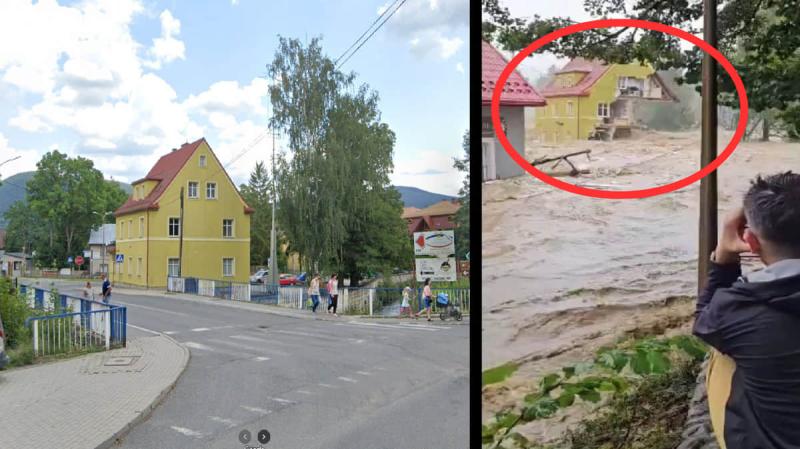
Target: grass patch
[{"x": 498, "y": 373}]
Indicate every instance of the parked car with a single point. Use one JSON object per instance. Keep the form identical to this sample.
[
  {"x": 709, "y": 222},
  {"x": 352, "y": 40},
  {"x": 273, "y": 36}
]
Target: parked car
[
  {"x": 290, "y": 279},
  {"x": 3, "y": 357},
  {"x": 259, "y": 277}
]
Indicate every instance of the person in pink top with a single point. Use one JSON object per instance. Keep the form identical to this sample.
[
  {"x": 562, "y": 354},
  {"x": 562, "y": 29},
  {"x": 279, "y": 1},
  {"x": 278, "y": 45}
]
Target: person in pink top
[
  {"x": 426, "y": 295},
  {"x": 333, "y": 291}
]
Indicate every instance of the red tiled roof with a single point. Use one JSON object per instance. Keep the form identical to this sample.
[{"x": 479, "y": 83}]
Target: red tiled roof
[
  {"x": 516, "y": 92},
  {"x": 164, "y": 172},
  {"x": 594, "y": 70}
]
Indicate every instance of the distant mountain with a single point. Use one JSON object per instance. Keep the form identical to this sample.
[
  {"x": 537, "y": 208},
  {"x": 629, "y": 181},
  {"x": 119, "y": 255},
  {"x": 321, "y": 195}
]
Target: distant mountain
[
  {"x": 414, "y": 197},
  {"x": 13, "y": 190}
]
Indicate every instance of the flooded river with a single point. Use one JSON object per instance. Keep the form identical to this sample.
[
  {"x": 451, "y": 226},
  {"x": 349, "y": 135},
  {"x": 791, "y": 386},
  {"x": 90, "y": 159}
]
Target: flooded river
[{"x": 563, "y": 273}]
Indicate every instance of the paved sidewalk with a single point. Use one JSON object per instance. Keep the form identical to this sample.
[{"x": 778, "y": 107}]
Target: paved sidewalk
[{"x": 88, "y": 401}]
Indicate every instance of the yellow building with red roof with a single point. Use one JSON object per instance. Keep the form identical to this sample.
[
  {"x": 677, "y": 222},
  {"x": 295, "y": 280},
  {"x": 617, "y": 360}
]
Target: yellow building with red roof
[{"x": 214, "y": 232}]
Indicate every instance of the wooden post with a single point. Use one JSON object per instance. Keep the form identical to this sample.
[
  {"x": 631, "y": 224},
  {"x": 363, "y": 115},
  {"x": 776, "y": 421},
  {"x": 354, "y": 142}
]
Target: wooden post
[{"x": 708, "y": 185}]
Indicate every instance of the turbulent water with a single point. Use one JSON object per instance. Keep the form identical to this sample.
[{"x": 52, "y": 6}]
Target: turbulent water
[{"x": 550, "y": 253}]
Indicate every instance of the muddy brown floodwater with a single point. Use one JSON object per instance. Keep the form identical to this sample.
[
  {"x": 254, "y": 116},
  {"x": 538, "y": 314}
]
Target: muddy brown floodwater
[{"x": 564, "y": 274}]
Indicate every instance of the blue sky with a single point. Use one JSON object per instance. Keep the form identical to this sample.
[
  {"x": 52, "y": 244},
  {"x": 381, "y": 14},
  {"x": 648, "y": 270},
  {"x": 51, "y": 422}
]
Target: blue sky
[{"x": 121, "y": 82}]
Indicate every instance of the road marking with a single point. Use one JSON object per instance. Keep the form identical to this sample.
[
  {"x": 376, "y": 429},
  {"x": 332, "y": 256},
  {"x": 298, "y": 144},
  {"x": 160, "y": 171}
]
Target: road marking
[
  {"x": 261, "y": 359},
  {"x": 200, "y": 329},
  {"x": 247, "y": 337},
  {"x": 424, "y": 326},
  {"x": 302, "y": 334},
  {"x": 256, "y": 410},
  {"x": 363, "y": 373},
  {"x": 227, "y": 422},
  {"x": 155, "y": 309},
  {"x": 171, "y": 332},
  {"x": 304, "y": 392},
  {"x": 187, "y": 432},
  {"x": 283, "y": 401},
  {"x": 203, "y": 347},
  {"x": 249, "y": 348},
  {"x": 347, "y": 379},
  {"x": 356, "y": 340},
  {"x": 326, "y": 385},
  {"x": 144, "y": 329},
  {"x": 389, "y": 326}
]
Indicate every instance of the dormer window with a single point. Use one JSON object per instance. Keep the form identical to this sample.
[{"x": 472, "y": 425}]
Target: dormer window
[{"x": 203, "y": 160}]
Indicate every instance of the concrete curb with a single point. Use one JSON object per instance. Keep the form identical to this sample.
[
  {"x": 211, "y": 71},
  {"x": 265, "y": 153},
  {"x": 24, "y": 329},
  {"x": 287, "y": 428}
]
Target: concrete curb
[{"x": 145, "y": 414}]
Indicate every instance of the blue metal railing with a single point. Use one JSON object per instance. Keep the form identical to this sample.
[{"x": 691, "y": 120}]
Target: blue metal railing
[{"x": 94, "y": 326}]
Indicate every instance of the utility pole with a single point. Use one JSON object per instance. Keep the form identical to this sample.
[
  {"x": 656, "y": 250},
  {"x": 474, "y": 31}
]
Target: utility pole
[
  {"x": 708, "y": 185},
  {"x": 273, "y": 253},
  {"x": 180, "y": 243}
]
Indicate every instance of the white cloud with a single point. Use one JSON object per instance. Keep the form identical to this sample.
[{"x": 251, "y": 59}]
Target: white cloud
[
  {"x": 382, "y": 9},
  {"x": 167, "y": 48},
  {"x": 428, "y": 170},
  {"x": 234, "y": 2},
  {"x": 459, "y": 67},
  {"x": 26, "y": 161},
  {"x": 228, "y": 96},
  {"x": 432, "y": 27}
]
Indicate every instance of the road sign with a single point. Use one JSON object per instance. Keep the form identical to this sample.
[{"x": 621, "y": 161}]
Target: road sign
[
  {"x": 434, "y": 243},
  {"x": 438, "y": 269},
  {"x": 69, "y": 259},
  {"x": 79, "y": 260},
  {"x": 118, "y": 258}
]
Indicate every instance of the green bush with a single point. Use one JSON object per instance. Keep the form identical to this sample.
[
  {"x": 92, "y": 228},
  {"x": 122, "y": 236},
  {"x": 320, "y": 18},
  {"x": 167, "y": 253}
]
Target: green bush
[{"x": 14, "y": 311}]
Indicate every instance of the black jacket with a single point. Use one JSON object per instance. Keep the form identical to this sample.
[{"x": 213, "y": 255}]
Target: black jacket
[{"x": 757, "y": 324}]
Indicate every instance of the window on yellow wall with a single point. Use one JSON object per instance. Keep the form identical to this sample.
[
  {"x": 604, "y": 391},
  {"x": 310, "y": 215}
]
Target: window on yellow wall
[
  {"x": 141, "y": 227},
  {"x": 202, "y": 162},
  {"x": 130, "y": 226},
  {"x": 602, "y": 109},
  {"x": 130, "y": 267},
  {"x": 174, "y": 227},
  {"x": 121, "y": 230},
  {"x": 570, "y": 111},
  {"x": 227, "y": 267},
  {"x": 227, "y": 227},
  {"x": 192, "y": 189},
  {"x": 211, "y": 190},
  {"x": 139, "y": 268},
  {"x": 172, "y": 267}
]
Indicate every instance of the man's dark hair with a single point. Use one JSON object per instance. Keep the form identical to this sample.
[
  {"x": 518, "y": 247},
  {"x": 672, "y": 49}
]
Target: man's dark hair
[{"x": 772, "y": 208}]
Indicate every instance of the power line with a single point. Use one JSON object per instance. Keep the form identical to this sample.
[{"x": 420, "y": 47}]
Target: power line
[
  {"x": 244, "y": 151},
  {"x": 373, "y": 32},
  {"x": 365, "y": 31}
]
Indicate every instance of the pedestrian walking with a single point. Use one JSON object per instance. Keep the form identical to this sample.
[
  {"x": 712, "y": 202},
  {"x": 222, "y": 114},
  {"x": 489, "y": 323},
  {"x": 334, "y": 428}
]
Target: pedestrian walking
[
  {"x": 333, "y": 291},
  {"x": 106, "y": 289},
  {"x": 87, "y": 291},
  {"x": 426, "y": 295},
  {"x": 405, "y": 306},
  {"x": 313, "y": 291}
]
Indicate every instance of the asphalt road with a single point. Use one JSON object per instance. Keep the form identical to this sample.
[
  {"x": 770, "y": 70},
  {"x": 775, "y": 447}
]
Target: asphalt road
[{"x": 345, "y": 384}]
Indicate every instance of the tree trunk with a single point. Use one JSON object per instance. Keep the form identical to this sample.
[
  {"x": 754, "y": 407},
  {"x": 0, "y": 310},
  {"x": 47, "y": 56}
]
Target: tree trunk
[{"x": 765, "y": 129}]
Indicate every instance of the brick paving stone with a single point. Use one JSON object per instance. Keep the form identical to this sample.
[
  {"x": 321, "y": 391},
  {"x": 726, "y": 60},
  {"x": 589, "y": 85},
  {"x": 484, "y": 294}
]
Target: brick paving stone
[{"x": 83, "y": 402}]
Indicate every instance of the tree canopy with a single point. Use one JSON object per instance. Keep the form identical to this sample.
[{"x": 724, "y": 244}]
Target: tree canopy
[
  {"x": 257, "y": 193},
  {"x": 65, "y": 199},
  {"x": 758, "y": 36},
  {"x": 336, "y": 205},
  {"x": 462, "y": 216}
]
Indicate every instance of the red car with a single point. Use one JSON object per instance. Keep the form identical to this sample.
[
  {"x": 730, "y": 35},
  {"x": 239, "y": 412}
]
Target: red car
[{"x": 290, "y": 279}]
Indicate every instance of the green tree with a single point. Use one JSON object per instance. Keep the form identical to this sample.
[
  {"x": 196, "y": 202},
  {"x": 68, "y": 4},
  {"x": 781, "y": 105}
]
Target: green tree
[
  {"x": 336, "y": 207},
  {"x": 66, "y": 198},
  {"x": 758, "y": 36},
  {"x": 257, "y": 194},
  {"x": 23, "y": 227},
  {"x": 462, "y": 216}
]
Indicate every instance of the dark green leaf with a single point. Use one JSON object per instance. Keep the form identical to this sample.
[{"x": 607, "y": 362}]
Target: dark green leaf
[
  {"x": 549, "y": 382},
  {"x": 590, "y": 395},
  {"x": 569, "y": 371},
  {"x": 639, "y": 363},
  {"x": 659, "y": 363},
  {"x": 566, "y": 399}
]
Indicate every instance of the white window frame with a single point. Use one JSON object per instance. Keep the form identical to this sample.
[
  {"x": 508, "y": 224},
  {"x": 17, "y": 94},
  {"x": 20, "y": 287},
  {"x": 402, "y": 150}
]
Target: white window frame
[
  {"x": 603, "y": 107},
  {"x": 141, "y": 227},
  {"x": 130, "y": 226},
  {"x": 202, "y": 161},
  {"x": 233, "y": 267},
  {"x": 570, "y": 109},
  {"x": 209, "y": 184},
  {"x": 231, "y": 235},
  {"x": 169, "y": 227},
  {"x": 189, "y": 189},
  {"x": 177, "y": 266},
  {"x": 622, "y": 82},
  {"x": 122, "y": 229}
]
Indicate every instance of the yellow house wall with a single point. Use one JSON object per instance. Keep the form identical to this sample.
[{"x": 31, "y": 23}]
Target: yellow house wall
[
  {"x": 555, "y": 126},
  {"x": 204, "y": 247}
]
